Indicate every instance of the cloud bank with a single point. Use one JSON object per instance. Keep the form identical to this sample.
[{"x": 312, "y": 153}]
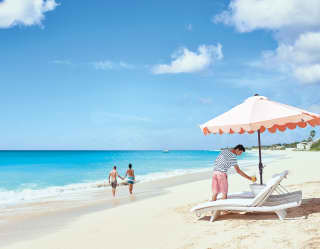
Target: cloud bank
[
  {"x": 109, "y": 65},
  {"x": 25, "y": 12},
  {"x": 295, "y": 25},
  {"x": 186, "y": 61}
]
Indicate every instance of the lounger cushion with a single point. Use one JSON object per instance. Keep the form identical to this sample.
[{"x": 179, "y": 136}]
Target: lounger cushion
[
  {"x": 244, "y": 202},
  {"x": 223, "y": 203},
  {"x": 271, "y": 184}
]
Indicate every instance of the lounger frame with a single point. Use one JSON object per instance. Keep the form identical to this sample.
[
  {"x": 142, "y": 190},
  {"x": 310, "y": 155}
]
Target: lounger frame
[{"x": 247, "y": 202}]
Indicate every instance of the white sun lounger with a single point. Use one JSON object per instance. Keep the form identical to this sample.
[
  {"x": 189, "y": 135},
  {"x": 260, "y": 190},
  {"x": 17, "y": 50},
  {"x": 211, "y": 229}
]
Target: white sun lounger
[{"x": 247, "y": 202}]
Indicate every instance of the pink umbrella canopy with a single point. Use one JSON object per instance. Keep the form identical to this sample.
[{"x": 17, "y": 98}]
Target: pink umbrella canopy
[{"x": 258, "y": 114}]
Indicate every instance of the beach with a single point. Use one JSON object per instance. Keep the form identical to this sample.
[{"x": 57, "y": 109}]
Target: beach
[
  {"x": 159, "y": 216},
  {"x": 173, "y": 99}
]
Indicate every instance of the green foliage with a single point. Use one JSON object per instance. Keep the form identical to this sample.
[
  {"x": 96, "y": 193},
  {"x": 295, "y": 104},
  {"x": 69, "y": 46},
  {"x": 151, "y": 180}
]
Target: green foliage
[
  {"x": 312, "y": 134},
  {"x": 277, "y": 146},
  {"x": 316, "y": 146},
  {"x": 292, "y": 145}
]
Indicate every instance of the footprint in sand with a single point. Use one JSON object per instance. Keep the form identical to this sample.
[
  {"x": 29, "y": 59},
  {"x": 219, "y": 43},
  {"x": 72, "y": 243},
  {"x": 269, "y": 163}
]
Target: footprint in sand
[
  {"x": 115, "y": 202},
  {"x": 312, "y": 243}
]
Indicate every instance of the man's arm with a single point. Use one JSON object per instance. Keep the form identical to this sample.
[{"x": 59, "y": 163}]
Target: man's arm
[
  {"x": 240, "y": 172},
  {"x": 119, "y": 176}
]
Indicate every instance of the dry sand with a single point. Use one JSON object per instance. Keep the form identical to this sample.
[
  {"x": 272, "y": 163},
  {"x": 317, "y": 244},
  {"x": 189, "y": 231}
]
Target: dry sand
[{"x": 163, "y": 221}]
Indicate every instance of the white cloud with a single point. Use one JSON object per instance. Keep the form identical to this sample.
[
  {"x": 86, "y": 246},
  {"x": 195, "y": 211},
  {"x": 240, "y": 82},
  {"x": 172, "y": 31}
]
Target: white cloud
[
  {"x": 109, "y": 65},
  {"x": 24, "y": 12},
  {"x": 308, "y": 74},
  {"x": 249, "y": 15},
  {"x": 103, "y": 65},
  {"x": 304, "y": 50},
  {"x": 301, "y": 58},
  {"x": 186, "y": 61},
  {"x": 296, "y": 27}
]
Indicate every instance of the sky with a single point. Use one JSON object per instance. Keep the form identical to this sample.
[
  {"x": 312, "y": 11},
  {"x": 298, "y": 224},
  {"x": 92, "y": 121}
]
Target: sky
[{"x": 145, "y": 74}]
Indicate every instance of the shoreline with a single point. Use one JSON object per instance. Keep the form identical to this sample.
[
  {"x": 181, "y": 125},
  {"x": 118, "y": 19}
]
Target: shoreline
[
  {"x": 94, "y": 193},
  {"x": 60, "y": 213},
  {"x": 172, "y": 217},
  {"x": 75, "y": 191}
]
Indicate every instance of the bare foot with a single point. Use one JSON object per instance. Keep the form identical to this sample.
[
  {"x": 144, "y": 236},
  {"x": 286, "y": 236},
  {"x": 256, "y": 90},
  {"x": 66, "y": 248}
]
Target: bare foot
[
  {"x": 115, "y": 201},
  {"x": 225, "y": 212}
]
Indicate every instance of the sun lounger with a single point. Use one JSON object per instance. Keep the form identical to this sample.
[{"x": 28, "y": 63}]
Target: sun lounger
[{"x": 247, "y": 202}]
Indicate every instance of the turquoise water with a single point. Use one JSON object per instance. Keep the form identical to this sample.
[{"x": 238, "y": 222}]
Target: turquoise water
[{"x": 27, "y": 175}]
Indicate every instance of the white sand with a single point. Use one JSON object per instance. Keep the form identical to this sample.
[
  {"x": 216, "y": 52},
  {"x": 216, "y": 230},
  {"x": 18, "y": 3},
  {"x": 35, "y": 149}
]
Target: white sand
[{"x": 164, "y": 221}]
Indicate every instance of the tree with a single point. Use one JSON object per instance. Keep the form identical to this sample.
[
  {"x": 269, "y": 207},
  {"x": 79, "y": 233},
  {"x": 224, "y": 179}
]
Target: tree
[{"x": 312, "y": 135}]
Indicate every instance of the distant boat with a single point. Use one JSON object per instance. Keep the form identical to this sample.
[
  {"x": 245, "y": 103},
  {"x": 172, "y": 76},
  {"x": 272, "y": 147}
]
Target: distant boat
[{"x": 165, "y": 150}]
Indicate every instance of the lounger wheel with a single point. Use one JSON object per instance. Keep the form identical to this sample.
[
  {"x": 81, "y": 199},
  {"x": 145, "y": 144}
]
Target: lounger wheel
[
  {"x": 214, "y": 215},
  {"x": 281, "y": 214}
]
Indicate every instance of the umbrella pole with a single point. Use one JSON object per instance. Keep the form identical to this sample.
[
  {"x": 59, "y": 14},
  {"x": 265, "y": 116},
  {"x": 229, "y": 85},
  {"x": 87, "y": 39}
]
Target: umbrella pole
[{"x": 260, "y": 161}]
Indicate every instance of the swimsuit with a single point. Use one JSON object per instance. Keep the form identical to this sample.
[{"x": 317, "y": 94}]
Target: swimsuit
[
  {"x": 114, "y": 184},
  {"x": 131, "y": 180}
]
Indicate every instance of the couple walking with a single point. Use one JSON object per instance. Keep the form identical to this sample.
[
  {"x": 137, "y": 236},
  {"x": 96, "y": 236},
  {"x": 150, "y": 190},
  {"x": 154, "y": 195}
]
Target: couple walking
[{"x": 113, "y": 177}]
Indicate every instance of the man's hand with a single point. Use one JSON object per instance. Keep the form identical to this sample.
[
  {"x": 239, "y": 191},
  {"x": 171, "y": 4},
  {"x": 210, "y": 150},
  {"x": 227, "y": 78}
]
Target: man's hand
[
  {"x": 253, "y": 178},
  {"x": 240, "y": 172}
]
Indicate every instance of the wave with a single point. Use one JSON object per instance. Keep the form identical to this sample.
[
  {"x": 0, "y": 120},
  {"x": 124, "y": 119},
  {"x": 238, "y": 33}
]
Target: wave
[
  {"x": 29, "y": 193},
  {"x": 72, "y": 191}
]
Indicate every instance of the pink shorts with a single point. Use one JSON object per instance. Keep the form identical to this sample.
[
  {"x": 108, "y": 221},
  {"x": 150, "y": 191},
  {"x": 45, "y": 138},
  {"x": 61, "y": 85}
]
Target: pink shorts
[{"x": 219, "y": 182}]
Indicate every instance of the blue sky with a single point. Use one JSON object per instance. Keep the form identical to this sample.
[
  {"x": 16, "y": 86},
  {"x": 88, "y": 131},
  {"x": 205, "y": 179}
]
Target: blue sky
[{"x": 145, "y": 74}]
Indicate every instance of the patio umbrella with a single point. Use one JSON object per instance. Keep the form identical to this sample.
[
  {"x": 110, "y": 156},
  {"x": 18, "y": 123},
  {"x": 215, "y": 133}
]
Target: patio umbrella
[{"x": 259, "y": 114}]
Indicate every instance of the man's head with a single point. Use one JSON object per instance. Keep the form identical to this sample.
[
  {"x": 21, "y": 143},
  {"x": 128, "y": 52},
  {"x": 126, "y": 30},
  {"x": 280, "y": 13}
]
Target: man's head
[
  {"x": 130, "y": 165},
  {"x": 239, "y": 149},
  {"x": 114, "y": 167}
]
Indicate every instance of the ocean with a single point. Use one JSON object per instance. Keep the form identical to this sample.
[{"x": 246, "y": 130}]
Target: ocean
[{"x": 28, "y": 176}]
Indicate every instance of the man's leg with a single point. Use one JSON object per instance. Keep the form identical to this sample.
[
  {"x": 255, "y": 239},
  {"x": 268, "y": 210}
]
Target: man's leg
[
  {"x": 224, "y": 196},
  {"x": 219, "y": 184},
  {"x": 130, "y": 188},
  {"x": 214, "y": 196},
  {"x": 113, "y": 192},
  {"x": 224, "y": 188},
  {"x": 215, "y": 187},
  {"x": 223, "y": 185}
]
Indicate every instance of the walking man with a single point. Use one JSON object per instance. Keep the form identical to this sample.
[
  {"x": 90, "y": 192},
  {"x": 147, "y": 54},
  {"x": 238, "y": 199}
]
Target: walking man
[{"x": 113, "y": 177}]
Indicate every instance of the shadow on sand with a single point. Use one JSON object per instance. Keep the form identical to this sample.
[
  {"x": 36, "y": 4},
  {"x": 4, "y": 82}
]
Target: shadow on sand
[{"x": 307, "y": 207}]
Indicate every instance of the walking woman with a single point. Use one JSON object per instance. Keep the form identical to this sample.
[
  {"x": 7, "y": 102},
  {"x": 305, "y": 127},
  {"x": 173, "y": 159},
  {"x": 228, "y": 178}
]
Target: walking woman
[{"x": 131, "y": 177}]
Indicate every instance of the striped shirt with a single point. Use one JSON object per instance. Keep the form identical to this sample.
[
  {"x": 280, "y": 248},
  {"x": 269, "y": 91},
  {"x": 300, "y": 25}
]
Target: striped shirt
[{"x": 225, "y": 160}]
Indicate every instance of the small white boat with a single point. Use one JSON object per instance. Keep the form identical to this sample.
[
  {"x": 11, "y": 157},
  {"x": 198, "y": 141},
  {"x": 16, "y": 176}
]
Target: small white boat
[{"x": 165, "y": 150}]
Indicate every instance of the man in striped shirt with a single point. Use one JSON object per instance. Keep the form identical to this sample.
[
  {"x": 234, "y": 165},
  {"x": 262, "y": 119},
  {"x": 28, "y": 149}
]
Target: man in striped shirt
[{"x": 225, "y": 160}]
